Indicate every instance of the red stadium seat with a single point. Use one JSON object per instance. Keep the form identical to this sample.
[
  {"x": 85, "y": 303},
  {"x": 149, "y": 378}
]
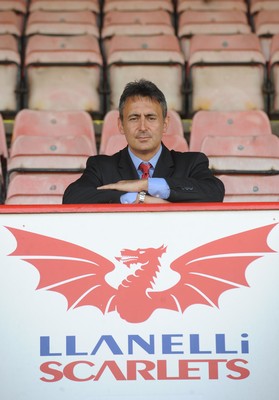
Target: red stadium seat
[
  {"x": 157, "y": 58},
  {"x": 40, "y": 188},
  {"x": 274, "y": 76},
  {"x": 259, "y": 5},
  {"x": 51, "y": 141},
  {"x": 226, "y": 73},
  {"x": 19, "y": 6},
  {"x": 136, "y": 23},
  {"x": 64, "y": 73},
  {"x": 62, "y": 23},
  {"x": 254, "y": 188},
  {"x": 212, "y": 5},
  {"x": 3, "y": 159},
  {"x": 266, "y": 24},
  {"x": 10, "y": 65},
  {"x": 210, "y": 23},
  {"x": 64, "y": 5},
  {"x": 230, "y": 123},
  {"x": 236, "y": 141},
  {"x": 143, "y": 5},
  {"x": 11, "y": 23}
]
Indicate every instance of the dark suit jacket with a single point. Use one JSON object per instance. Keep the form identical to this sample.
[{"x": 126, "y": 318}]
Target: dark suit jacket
[{"x": 187, "y": 174}]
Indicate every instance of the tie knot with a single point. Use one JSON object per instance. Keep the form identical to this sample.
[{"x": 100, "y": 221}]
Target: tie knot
[{"x": 145, "y": 167}]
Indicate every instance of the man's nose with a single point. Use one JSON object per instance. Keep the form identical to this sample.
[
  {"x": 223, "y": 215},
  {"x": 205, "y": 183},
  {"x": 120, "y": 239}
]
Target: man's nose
[{"x": 142, "y": 123}]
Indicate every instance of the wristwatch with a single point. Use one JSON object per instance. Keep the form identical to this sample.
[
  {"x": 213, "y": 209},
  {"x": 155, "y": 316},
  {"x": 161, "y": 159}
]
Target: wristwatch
[{"x": 142, "y": 195}]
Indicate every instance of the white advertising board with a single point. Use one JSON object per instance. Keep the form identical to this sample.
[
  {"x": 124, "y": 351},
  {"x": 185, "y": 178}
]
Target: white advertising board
[{"x": 147, "y": 305}]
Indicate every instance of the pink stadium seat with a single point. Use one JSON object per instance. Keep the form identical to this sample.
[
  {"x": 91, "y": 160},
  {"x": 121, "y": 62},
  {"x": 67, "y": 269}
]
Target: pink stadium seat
[
  {"x": 38, "y": 188},
  {"x": 64, "y": 73},
  {"x": 259, "y": 5},
  {"x": 11, "y": 23},
  {"x": 236, "y": 141},
  {"x": 9, "y": 74},
  {"x": 62, "y": 23},
  {"x": 208, "y": 23},
  {"x": 230, "y": 123},
  {"x": 274, "y": 75},
  {"x": 136, "y": 23},
  {"x": 226, "y": 73},
  {"x": 19, "y": 6},
  {"x": 3, "y": 139},
  {"x": 254, "y": 188},
  {"x": 266, "y": 24},
  {"x": 212, "y": 5},
  {"x": 54, "y": 123},
  {"x": 142, "y": 5},
  {"x": 157, "y": 58},
  {"x": 65, "y": 5},
  {"x": 51, "y": 141},
  {"x": 112, "y": 140},
  {"x": 3, "y": 158},
  {"x": 248, "y": 154}
]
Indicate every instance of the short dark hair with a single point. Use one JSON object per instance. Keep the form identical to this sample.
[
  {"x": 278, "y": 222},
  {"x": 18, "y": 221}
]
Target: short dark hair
[{"x": 143, "y": 88}]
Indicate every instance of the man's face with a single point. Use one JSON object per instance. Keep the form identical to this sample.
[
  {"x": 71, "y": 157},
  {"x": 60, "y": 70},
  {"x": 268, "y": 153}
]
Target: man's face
[{"x": 143, "y": 125}]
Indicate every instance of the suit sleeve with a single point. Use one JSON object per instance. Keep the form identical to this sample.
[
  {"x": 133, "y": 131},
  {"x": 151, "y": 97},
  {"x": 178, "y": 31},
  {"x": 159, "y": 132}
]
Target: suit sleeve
[
  {"x": 84, "y": 190},
  {"x": 193, "y": 181}
]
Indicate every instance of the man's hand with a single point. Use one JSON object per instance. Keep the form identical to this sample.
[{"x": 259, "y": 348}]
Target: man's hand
[
  {"x": 152, "y": 200},
  {"x": 136, "y": 186}
]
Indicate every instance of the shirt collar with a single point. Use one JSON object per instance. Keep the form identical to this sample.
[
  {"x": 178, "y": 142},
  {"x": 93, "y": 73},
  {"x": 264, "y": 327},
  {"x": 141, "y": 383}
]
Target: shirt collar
[{"x": 153, "y": 161}]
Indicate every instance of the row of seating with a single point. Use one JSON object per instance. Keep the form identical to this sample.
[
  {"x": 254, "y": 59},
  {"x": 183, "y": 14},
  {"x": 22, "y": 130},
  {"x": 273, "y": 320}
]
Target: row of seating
[
  {"x": 205, "y": 55},
  {"x": 49, "y": 149}
]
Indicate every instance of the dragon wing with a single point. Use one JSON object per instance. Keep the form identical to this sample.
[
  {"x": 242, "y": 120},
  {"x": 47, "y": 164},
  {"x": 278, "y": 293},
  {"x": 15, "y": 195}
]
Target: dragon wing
[
  {"x": 71, "y": 270},
  {"x": 209, "y": 270}
]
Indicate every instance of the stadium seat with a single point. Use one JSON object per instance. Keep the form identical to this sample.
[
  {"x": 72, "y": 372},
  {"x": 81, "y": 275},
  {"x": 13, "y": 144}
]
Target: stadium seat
[
  {"x": 266, "y": 23},
  {"x": 143, "y": 5},
  {"x": 64, "y": 73},
  {"x": 236, "y": 142},
  {"x": 135, "y": 23},
  {"x": 259, "y": 5},
  {"x": 245, "y": 154},
  {"x": 51, "y": 141},
  {"x": 38, "y": 188},
  {"x": 64, "y": 5},
  {"x": 157, "y": 58},
  {"x": 3, "y": 159},
  {"x": 62, "y": 23},
  {"x": 11, "y": 23},
  {"x": 251, "y": 188},
  {"x": 3, "y": 140},
  {"x": 226, "y": 73},
  {"x": 231, "y": 123},
  {"x": 19, "y": 6},
  {"x": 210, "y": 23},
  {"x": 112, "y": 140},
  {"x": 10, "y": 66},
  {"x": 274, "y": 77},
  {"x": 212, "y": 5}
]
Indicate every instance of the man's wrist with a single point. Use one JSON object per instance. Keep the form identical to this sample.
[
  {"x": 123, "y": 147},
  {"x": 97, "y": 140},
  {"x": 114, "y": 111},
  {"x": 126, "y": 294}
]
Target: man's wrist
[{"x": 141, "y": 196}]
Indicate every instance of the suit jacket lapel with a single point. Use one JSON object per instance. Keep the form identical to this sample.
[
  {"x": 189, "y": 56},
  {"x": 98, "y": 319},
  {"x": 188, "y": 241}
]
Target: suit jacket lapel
[
  {"x": 165, "y": 165},
  {"x": 127, "y": 169}
]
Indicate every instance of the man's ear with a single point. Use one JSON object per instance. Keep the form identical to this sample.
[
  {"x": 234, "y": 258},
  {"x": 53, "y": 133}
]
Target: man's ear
[
  {"x": 166, "y": 124},
  {"x": 120, "y": 126}
]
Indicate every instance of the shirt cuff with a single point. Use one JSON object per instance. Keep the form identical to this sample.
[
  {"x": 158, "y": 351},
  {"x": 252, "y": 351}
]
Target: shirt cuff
[
  {"x": 128, "y": 198},
  {"x": 158, "y": 187}
]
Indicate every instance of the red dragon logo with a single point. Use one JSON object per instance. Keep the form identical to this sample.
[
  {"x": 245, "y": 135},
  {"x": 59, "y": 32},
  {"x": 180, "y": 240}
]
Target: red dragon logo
[{"x": 79, "y": 274}]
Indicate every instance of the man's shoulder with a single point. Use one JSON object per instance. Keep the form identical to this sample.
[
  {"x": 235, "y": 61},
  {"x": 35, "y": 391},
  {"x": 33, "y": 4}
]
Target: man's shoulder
[{"x": 106, "y": 159}]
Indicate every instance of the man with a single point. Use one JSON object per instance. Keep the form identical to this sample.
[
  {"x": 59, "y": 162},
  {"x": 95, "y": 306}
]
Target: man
[{"x": 168, "y": 176}]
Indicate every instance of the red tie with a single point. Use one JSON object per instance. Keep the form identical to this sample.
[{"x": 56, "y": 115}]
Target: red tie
[{"x": 145, "y": 167}]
